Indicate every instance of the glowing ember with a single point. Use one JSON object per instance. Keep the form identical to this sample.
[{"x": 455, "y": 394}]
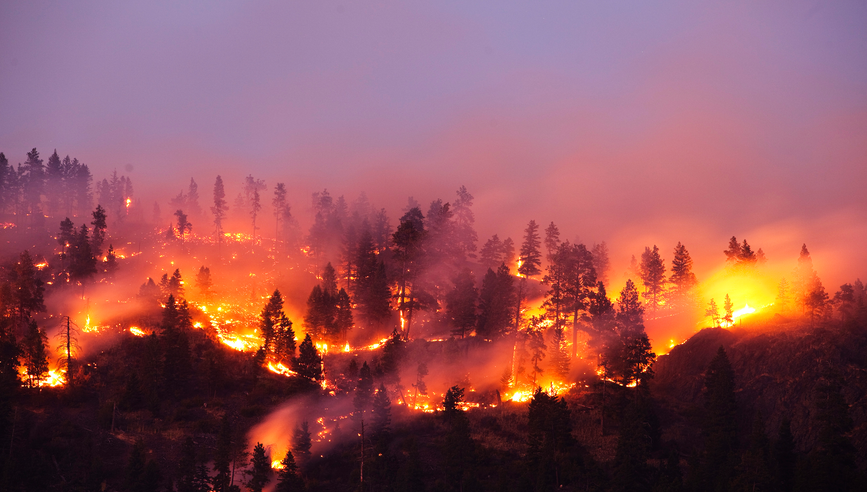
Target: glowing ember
[
  {"x": 135, "y": 330},
  {"x": 42, "y": 265}
]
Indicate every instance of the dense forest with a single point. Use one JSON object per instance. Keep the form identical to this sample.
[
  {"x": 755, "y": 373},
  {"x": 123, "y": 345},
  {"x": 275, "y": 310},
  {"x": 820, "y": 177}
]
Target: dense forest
[{"x": 218, "y": 347}]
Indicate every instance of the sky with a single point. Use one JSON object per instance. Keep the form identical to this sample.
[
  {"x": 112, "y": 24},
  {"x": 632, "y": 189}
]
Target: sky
[{"x": 636, "y": 123}]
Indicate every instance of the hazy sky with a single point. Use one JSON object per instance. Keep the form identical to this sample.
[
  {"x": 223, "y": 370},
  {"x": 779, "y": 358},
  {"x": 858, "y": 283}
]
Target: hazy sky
[{"x": 634, "y": 122}]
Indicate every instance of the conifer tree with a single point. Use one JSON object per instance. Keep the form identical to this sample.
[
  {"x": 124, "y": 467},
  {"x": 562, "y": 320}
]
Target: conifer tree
[
  {"x": 99, "y": 228},
  {"x": 260, "y": 469},
  {"x": 712, "y": 312},
  {"x": 301, "y": 443},
  {"x": 683, "y": 281},
  {"x": 491, "y": 254},
  {"x": 35, "y": 354},
  {"x": 652, "y": 273},
  {"x": 343, "y": 321},
  {"x": 204, "y": 282},
  {"x": 464, "y": 219},
  {"x": 530, "y": 258},
  {"x": 461, "y": 303},
  {"x": 220, "y": 207},
  {"x": 309, "y": 362},
  {"x": 279, "y": 203},
  {"x": 408, "y": 252},
  {"x": 552, "y": 239},
  {"x": 601, "y": 262},
  {"x": 223, "y": 457},
  {"x": 728, "y": 308},
  {"x": 496, "y": 302},
  {"x": 288, "y": 479}
]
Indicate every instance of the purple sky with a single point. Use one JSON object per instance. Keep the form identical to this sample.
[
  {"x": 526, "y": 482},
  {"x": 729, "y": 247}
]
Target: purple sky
[{"x": 633, "y": 122}]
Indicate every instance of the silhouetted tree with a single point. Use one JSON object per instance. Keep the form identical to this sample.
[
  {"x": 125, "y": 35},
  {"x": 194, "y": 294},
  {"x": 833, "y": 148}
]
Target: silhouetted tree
[
  {"x": 461, "y": 303},
  {"x": 728, "y": 308},
  {"x": 288, "y": 479},
  {"x": 683, "y": 281},
  {"x": 408, "y": 253},
  {"x": 601, "y": 263},
  {"x": 99, "y": 228},
  {"x": 204, "y": 282},
  {"x": 220, "y": 207},
  {"x": 301, "y": 443},
  {"x": 496, "y": 302},
  {"x": 652, "y": 273},
  {"x": 552, "y": 239},
  {"x": 309, "y": 363},
  {"x": 35, "y": 354},
  {"x": 260, "y": 469}
]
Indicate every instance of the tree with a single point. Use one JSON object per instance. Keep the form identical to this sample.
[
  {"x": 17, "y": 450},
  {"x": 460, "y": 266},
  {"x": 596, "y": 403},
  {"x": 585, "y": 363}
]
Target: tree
[
  {"x": 260, "y": 469},
  {"x": 552, "y": 239},
  {"x": 408, "y": 241},
  {"x": 220, "y": 207},
  {"x": 184, "y": 225},
  {"x": 309, "y": 363},
  {"x": 255, "y": 207},
  {"x": 301, "y": 443},
  {"x": 110, "y": 261},
  {"x": 530, "y": 259},
  {"x": 559, "y": 360},
  {"x": 69, "y": 348},
  {"x": 733, "y": 252},
  {"x": 464, "y": 232},
  {"x": 204, "y": 282},
  {"x": 35, "y": 355},
  {"x": 652, "y": 273},
  {"x": 537, "y": 349},
  {"x": 491, "y": 253},
  {"x": 33, "y": 180},
  {"x": 728, "y": 319},
  {"x": 461, "y": 303},
  {"x": 683, "y": 281},
  {"x": 99, "y": 227},
  {"x": 269, "y": 319},
  {"x": 496, "y": 301},
  {"x": 280, "y": 205},
  {"x": 816, "y": 298},
  {"x": 601, "y": 263},
  {"x": 82, "y": 260},
  {"x": 381, "y": 424},
  {"x": 363, "y": 392},
  {"x": 712, "y": 312},
  {"x": 288, "y": 479},
  {"x": 27, "y": 290},
  {"x": 65, "y": 238},
  {"x": 343, "y": 321}
]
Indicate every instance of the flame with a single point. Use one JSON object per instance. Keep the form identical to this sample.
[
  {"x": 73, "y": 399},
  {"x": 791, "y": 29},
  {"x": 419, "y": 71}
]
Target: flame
[
  {"x": 279, "y": 368},
  {"x": 135, "y": 330},
  {"x": 347, "y": 348},
  {"x": 277, "y": 465},
  {"x": 128, "y": 202},
  {"x": 40, "y": 266}
]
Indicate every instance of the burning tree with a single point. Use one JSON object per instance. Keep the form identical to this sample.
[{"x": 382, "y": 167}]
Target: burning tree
[{"x": 220, "y": 207}]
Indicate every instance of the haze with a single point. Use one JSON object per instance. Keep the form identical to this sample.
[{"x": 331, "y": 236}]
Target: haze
[{"x": 638, "y": 124}]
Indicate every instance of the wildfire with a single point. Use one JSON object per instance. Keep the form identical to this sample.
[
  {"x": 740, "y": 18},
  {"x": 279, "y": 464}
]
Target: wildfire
[
  {"x": 135, "y": 330},
  {"x": 277, "y": 465},
  {"x": 40, "y": 266},
  {"x": 128, "y": 202},
  {"x": 279, "y": 368}
]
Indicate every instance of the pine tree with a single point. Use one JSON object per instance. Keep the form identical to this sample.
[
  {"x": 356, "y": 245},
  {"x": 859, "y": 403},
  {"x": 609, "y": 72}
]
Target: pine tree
[
  {"x": 301, "y": 443},
  {"x": 204, "y": 282},
  {"x": 461, "y": 303},
  {"x": 712, "y": 312},
  {"x": 491, "y": 254},
  {"x": 552, "y": 239},
  {"x": 601, "y": 263},
  {"x": 459, "y": 446},
  {"x": 728, "y": 308},
  {"x": 279, "y": 203},
  {"x": 530, "y": 259},
  {"x": 82, "y": 260},
  {"x": 464, "y": 219},
  {"x": 260, "y": 469},
  {"x": 733, "y": 253},
  {"x": 652, "y": 273},
  {"x": 27, "y": 291},
  {"x": 683, "y": 281},
  {"x": 35, "y": 355},
  {"x": 220, "y": 207},
  {"x": 343, "y": 320},
  {"x": 288, "y": 479},
  {"x": 408, "y": 252},
  {"x": 99, "y": 228},
  {"x": 559, "y": 360},
  {"x": 496, "y": 302},
  {"x": 184, "y": 225},
  {"x": 309, "y": 363}
]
